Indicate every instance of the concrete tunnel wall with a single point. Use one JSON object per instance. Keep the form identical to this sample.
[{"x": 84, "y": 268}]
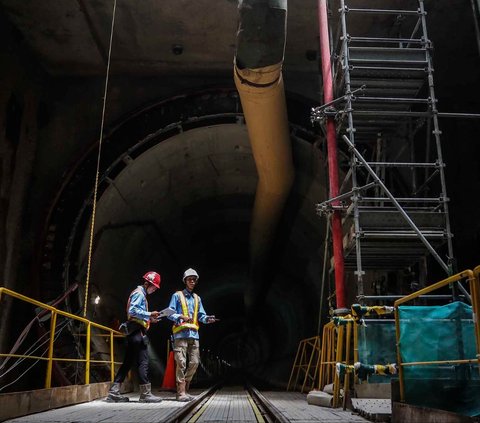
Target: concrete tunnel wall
[
  {"x": 187, "y": 202},
  {"x": 64, "y": 123},
  {"x": 69, "y": 113},
  {"x": 195, "y": 187}
]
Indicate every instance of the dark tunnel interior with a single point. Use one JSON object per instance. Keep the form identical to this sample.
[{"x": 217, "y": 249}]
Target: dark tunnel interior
[
  {"x": 181, "y": 197},
  {"x": 177, "y": 177}
]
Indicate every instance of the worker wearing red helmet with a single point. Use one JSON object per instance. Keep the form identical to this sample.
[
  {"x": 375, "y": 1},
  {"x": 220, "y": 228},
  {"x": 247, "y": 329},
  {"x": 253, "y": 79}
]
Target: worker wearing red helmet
[{"x": 139, "y": 319}]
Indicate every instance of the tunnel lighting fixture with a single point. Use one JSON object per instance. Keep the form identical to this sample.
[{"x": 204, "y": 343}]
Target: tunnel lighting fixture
[{"x": 97, "y": 300}]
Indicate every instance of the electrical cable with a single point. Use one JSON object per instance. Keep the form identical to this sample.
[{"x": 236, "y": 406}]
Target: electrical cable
[
  {"x": 90, "y": 246},
  {"x": 30, "y": 350},
  {"x": 34, "y": 363}
]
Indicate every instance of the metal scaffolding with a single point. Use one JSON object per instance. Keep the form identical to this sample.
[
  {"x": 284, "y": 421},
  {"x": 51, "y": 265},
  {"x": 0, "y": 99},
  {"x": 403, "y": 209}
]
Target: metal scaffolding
[{"x": 393, "y": 193}]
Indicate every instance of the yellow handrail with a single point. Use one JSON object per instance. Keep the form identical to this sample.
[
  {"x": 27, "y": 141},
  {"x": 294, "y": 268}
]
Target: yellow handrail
[
  {"x": 335, "y": 349},
  {"x": 53, "y": 323},
  {"x": 306, "y": 361},
  {"x": 473, "y": 278},
  {"x": 327, "y": 356}
]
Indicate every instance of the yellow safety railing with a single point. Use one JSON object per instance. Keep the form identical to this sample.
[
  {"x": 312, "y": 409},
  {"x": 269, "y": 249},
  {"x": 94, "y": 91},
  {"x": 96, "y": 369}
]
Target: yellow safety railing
[
  {"x": 306, "y": 363},
  {"x": 346, "y": 360},
  {"x": 53, "y": 322},
  {"x": 327, "y": 356},
  {"x": 336, "y": 348},
  {"x": 474, "y": 284}
]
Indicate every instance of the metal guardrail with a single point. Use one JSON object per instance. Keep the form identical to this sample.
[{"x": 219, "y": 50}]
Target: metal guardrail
[
  {"x": 53, "y": 323},
  {"x": 336, "y": 340},
  {"x": 305, "y": 364},
  {"x": 473, "y": 278}
]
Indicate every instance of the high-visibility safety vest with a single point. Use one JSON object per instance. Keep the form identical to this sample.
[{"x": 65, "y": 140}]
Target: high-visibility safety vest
[
  {"x": 182, "y": 326},
  {"x": 144, "y": 323}
]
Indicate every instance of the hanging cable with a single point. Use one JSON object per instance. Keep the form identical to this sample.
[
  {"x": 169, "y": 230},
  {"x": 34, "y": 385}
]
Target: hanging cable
[
  {"x": 29, "y": 352},
  {"x": 98, "y": 163}
]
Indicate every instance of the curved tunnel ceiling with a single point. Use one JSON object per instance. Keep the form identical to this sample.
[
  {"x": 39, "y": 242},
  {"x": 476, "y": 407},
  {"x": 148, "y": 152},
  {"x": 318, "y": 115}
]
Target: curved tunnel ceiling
[{"x": 186, "y": 201}]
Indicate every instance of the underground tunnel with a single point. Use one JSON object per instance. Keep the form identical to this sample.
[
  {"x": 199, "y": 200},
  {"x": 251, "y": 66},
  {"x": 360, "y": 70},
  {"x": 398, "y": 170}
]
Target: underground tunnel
[
  {"x": 178, "y": 177},
  {"x": 177, "y": 192}
]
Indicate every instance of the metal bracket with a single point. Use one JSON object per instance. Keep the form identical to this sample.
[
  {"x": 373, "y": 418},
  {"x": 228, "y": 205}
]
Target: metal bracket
[
  {"x": 318, "y": 114},
  {"x": 326, "y": 207}
]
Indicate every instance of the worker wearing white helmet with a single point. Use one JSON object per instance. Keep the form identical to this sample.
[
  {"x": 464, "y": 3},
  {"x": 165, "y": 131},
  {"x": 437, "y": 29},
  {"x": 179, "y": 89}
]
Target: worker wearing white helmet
[{"x": 189, "y": 312}]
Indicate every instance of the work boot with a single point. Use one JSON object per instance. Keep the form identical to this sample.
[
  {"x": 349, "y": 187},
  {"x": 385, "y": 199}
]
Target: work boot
[
  {"x": 114, "y": 394},
  {"x": 146, "y": 394},
  {"x": 181, "y": 395},
  {"x": 187, "y": 387}
]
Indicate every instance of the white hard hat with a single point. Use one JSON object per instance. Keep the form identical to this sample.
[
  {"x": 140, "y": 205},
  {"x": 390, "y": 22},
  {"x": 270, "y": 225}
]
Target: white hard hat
[{"x": 190, "y": 272}]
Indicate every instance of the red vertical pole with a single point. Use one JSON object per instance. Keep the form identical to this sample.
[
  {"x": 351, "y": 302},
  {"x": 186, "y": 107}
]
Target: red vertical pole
[{"x": 332, "y": 155}]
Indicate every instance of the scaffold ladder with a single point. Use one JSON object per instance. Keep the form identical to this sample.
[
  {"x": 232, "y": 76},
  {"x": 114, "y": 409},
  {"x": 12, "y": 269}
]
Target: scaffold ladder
[{"x": 393, "y": 190}]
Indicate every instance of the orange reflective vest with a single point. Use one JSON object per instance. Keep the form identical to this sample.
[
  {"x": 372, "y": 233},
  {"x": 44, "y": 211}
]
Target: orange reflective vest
[
  {"x": 144, "y": 323},
  {"x": 194, "y": 325}
]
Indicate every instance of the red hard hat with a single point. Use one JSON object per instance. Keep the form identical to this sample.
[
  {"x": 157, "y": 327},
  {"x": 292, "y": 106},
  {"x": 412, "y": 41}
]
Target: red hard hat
[{"x": 153, "y": 278}]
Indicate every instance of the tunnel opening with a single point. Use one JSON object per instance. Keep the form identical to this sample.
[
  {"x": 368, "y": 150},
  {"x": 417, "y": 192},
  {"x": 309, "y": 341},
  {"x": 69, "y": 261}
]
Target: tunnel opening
[{"x": 177, "y": 186}]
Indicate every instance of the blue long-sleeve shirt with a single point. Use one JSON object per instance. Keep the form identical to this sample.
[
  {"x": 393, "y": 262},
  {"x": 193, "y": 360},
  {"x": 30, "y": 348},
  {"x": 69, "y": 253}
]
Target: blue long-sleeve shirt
[
  {"x": 176, "y": 304},
  {"x": 138, "y": 304}
]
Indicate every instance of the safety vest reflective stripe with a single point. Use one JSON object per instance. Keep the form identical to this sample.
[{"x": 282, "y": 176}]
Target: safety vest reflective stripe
[
  {"x": 144, "y": 323},
  {"x": 183, "y": 326},
  {"x": 183, "y": 302}
]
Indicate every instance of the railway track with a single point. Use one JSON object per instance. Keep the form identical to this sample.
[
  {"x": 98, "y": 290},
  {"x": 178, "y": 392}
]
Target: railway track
[{"x": 239, "y": 404}]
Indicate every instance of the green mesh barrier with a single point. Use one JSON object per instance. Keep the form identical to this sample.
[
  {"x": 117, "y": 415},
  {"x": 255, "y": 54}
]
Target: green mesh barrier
[
  {"x": 376, "y": 345},
  {"x": 438, "y": 333}
]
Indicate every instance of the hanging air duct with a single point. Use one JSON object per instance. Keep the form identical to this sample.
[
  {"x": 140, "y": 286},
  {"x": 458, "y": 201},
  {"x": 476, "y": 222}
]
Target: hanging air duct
[{"x": 258, "y": 78}]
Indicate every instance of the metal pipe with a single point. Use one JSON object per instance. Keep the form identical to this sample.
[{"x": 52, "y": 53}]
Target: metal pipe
[
  {"x": 397, "y": 297},
  {"x": 430, "y": 363},
  {"x": 258, "y": 77},
  {"x": 406, "y": 200},
  {"x": 112, "y": 359},
  {"x": 87, "y": 353},
  {"x": 402, "y": 164},
  {"x": 347, "y": 194},
  {"x": 466, "y": 274},
  {"x": 53, "y": 326},
  {"x": 386, "y": 40},
  {"x": 459, "y": 115},
  {"x": 347, "y": 362},
  {"x": 359, "y": 272},
  {"x": 332, "y": 156},
  {"x": 436, "y": 133},
  {"x": 383, "y": 11}
]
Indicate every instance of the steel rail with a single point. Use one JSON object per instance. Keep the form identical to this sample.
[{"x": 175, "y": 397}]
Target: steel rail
[
  {"x": 273, "y": 414},
  {"x": 183, "y": 413},
  {"x": 192, "y": 411}
]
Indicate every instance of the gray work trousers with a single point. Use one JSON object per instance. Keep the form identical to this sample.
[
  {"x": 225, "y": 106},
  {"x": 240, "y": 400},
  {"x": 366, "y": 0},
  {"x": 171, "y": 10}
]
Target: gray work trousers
[{"x": 183, "y": 348}]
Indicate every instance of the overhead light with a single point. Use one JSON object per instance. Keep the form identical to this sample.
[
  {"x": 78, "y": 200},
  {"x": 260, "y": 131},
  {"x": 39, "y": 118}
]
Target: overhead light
[{"x": 97, "y": 300}]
